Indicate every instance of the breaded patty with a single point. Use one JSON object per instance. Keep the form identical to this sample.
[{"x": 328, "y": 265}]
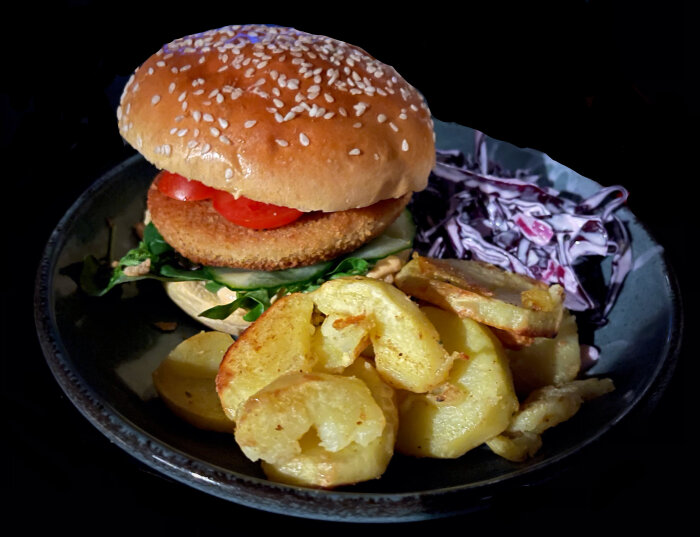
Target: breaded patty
[{"x": 202, "y": 235}]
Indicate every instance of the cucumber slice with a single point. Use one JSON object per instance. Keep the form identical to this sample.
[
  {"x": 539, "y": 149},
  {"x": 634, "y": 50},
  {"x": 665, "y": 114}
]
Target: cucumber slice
[
  {"x": 397, "y": 237},
  {"x": 260, "y": 279}
]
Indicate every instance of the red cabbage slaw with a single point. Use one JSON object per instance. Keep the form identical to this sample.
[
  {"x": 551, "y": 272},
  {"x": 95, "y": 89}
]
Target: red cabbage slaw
[{"x": 474, "y": 209}]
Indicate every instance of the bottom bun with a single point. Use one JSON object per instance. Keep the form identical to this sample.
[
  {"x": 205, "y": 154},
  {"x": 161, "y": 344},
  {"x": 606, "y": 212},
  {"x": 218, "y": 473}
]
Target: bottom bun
[{"x": 193, "y": 299}]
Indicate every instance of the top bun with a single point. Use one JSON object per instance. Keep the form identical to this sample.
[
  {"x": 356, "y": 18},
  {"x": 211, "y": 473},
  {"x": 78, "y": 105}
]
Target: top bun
[{"x": 280, "y": 116}]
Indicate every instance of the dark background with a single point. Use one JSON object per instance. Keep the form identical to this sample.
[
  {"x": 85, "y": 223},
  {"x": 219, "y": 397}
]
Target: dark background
[{"x": 602, "y": 87}]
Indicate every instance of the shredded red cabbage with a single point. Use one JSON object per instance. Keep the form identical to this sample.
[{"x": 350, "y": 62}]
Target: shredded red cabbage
[{"x": 474, "y": 209}]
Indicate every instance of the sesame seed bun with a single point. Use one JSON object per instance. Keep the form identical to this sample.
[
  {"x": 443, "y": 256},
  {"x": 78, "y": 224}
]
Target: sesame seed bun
[{"x": 280, "y": 116}]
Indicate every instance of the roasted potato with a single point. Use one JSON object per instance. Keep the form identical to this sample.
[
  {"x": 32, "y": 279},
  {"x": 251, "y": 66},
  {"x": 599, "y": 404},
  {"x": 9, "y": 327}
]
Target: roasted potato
[
  {"x": 545, "y": 408},
  {"x": 340, "y": 340},
  {"x": 278, "y": 342},
  {"x": 547, "y": 361},
  {"x": 185, "y": 380},
  {"x": 475, "y": 404},
  {"x": 407, "y": 349},
  {"x": 485, "y": 293},
  {"x": 319, "y": 429}
]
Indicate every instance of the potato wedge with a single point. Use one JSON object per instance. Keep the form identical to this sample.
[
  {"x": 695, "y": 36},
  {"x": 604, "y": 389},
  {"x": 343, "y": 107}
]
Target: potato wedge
[
  {"x": 485, "y": 293},
  {"x": 279, "y": 342},
  {"x": 407, "y": 349},
  {"x": 315, "y": 466},
  {"x": 475, "y": 404},
  {"x": 185, "y": 380},
  {"x": 547, "y": 361},
  {"x": 545, "y": 408}
]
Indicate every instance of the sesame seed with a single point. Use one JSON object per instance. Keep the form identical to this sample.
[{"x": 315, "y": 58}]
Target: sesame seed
[
  {"x": 329, "y": 98},
  {"x": 393, "y": 127},
  {"x": 171, "y": 87},
  {"x": 223, "y": 123},
  {"x": 404, "y": 145},
  {"x": 166, "y": 150},
  {"x": 229, "y": 173},
  {"x": 214, "y": 131},
  {"x": 282, "y": 143},
  {"x": 181, "y": 132},
  {"x": 357, "y": 125},
  {"x": 206, "y": 148},
  {"x": 225, "y": 139},
  {"x": 278, "y": 103},
  {"x": 381, "y": 118},
  {"x": 192, "y": 144},
  {"x": 354, "y": 152},
  {"x": 303, "y": 139},
  {"x": 250, "y": 123},
  {"x": 182, "y": 96},
  {"x": 173, "y": 130},
  {"x": 197, "y": 115},
  {"x": 208, "y": 117},
  {"x": 155, "y": 99},
  {"x": 360, "y": 108}
]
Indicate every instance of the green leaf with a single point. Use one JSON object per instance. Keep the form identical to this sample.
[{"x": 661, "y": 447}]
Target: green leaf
[
  {"x": 256, "y": 302},
  {"x": 175, "y": 273},
  {"x": 350, "y": 266},
  {"x": 154, "y": 241}
]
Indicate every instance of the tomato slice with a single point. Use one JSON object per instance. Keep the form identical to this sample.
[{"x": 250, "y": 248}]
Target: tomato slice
[
  {"x": 180, "y": 188},
  {"x": 241, "y": 211},
  {"x": 252, "y": 214}
]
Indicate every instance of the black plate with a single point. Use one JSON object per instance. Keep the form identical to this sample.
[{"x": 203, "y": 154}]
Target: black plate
[{"x": 102, "y": 352}]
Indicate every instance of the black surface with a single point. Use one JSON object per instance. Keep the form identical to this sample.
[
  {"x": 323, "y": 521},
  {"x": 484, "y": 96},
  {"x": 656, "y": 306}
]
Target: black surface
[{"x": 604, "y": 88}]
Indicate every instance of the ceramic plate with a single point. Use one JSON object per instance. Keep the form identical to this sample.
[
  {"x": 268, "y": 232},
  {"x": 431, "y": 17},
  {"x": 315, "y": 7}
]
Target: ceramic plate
[{"x": 102, "y": 352}]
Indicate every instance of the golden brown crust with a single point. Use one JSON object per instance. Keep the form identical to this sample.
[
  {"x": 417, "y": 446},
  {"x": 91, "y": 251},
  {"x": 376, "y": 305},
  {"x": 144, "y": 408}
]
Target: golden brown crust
[
  {"x": 280, "y": 116},
  {"x": 200, "y": 234}
]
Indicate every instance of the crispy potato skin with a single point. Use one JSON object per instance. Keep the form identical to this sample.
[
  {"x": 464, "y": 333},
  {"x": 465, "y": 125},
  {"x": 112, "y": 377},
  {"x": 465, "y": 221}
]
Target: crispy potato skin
[
  {"x": 278, "y": 342},
  {"x": 547, "y": 361},
  {"x": 544, "y": 408},
  {"x": 485, "y": 293},
  {"x": 202, "y": 235}
]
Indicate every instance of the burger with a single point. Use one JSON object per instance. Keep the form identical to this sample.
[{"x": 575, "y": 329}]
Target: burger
[{"x": 284, "y": 159}]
